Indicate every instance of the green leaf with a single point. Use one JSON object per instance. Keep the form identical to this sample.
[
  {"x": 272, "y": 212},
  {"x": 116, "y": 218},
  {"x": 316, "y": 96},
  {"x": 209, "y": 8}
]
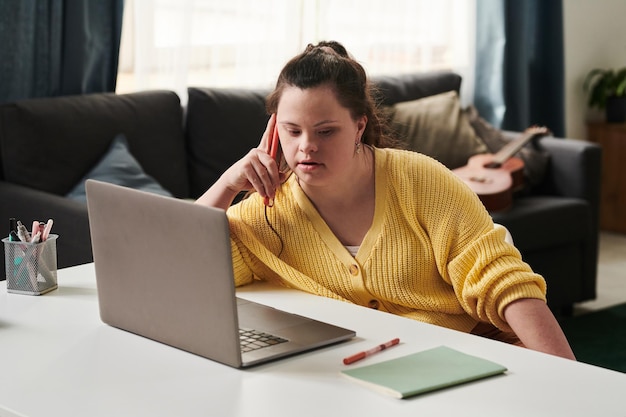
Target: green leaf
[{"x": 603, "y": 83}]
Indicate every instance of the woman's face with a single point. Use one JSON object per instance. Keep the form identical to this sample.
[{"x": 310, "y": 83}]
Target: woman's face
[{"x": 318, "y": 135}]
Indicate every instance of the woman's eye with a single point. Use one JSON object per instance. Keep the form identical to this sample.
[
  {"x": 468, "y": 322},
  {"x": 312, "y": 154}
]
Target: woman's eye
[{"x": 325, "y": 132}]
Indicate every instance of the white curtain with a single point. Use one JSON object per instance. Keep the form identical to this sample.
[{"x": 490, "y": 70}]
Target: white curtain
[{"x": 173, "y": 44}]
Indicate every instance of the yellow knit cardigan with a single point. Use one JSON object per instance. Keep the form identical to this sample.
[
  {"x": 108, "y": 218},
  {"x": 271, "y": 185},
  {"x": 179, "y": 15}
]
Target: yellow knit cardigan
[{"x": 432, "y": 252}]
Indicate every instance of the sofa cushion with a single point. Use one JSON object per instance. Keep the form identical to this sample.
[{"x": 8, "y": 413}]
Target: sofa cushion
[
  {"x": 222, "y": 126},
  {"x": 437, "y": 126},
  {"x": 119, "y": 167},
  {"x": 50, "y": 143}
]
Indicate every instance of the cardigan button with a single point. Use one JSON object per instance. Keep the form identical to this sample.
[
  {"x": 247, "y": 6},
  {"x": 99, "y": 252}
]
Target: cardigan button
[
  {"x": 373, "y": 304},
  {"x": 354, "y": 270}
]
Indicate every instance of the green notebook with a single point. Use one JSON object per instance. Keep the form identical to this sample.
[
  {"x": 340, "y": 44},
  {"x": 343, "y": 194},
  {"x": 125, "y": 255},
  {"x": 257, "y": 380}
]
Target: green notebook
[{"x": 424, "y": 371}]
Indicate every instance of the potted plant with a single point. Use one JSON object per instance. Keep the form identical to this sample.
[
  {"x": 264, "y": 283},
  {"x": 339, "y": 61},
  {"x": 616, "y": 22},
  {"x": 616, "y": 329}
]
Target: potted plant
[{"x": 607, "y": 90}]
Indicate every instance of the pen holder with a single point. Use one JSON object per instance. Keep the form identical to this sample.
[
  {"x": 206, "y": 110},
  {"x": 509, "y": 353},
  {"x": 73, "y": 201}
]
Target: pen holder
[{"x": 31, "y": 268}]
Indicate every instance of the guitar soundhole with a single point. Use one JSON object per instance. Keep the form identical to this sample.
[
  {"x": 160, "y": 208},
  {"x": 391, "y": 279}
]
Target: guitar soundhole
[{"x": 493, "y": 165}]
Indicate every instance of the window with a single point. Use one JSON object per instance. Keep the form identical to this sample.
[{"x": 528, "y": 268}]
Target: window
[{"x": 173, "y": 44}]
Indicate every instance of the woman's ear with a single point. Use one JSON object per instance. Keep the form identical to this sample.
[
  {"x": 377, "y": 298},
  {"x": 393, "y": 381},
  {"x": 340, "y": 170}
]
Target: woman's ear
[{"x": 361, "y": 123}]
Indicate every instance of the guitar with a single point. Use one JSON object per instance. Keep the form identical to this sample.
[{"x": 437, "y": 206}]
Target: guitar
[{"x": 494, "y": 177}]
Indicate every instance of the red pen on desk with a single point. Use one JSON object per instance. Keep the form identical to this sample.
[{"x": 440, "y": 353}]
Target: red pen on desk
[{"x": 366, "y": 353}]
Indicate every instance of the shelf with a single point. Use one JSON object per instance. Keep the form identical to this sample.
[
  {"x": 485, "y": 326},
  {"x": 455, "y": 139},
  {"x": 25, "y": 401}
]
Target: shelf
[{"x": 612, "y": 138}]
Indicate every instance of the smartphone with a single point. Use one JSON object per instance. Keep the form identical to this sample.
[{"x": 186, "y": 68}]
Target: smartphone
[{"x": 273, "y": 148}]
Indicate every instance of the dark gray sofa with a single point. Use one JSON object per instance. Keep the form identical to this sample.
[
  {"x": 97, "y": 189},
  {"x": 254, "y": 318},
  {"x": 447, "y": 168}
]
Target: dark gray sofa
[{"x": 47, "y": 145}]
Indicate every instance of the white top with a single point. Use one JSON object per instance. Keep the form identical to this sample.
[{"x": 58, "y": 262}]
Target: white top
[
  {"x": 353, "y": 249},
  {"x": 58, "y": 359}
]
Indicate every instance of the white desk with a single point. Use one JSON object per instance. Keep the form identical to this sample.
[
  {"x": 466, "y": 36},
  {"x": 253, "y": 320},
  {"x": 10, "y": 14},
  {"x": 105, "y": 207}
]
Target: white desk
[{"x": 58, "y": 359}]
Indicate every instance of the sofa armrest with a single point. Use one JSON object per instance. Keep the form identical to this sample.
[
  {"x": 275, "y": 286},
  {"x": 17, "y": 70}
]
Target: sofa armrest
[
  {"x": 572, "y": 178},
  {"x": 71, "y": 221},
  {"x": 574, "y": 169}
]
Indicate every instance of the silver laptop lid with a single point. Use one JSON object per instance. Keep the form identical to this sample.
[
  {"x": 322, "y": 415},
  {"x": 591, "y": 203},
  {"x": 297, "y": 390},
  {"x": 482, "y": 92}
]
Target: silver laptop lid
[{"x": 164, "y": 275}]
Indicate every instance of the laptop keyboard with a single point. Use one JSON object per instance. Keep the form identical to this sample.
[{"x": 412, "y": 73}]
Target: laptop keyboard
[{"x": 254, "y": 339}]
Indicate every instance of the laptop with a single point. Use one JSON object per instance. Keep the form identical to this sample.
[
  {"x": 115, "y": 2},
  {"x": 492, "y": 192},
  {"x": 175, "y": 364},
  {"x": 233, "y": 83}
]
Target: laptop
[{"x": 164, "y": 271}]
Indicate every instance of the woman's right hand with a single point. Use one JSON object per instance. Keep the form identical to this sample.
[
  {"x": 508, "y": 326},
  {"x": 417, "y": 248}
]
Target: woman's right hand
[{"x": 257, "y": 170}]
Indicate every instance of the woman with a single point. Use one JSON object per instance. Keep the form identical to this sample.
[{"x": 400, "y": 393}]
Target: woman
[{"x": 356, "y": 220}]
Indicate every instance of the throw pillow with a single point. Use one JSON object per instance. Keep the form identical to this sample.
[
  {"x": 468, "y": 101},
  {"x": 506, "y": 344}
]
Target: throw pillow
[
  {"x": 118, "y": 166},
  {"x": 535, "y": 160},
  {"x": 438, "y": 127}
]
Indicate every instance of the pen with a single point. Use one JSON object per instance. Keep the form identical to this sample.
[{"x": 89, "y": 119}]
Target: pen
[
  {"x": 35, "y": 229},
  {"x": 272, "y": 149},
  {"x": 13, "y": 237},
  {"x": 36, "y": 237},
  {"x": 366, "y": 353},
  {"x": 22, "y": 232},
  {"x": 13, "y": 230},
  {"x": 46, "y": 230}
]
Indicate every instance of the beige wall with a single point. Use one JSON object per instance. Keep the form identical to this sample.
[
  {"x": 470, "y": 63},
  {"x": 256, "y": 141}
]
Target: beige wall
[{"x": 595, "y": 36}]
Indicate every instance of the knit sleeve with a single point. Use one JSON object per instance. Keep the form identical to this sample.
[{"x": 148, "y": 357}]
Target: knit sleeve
[
  {"x": 242, "y": 259},
  {"x": 254, "y": 245},
  {"x": 485, "y": 272},
  {"x": 489, "y": 274},
  {"x": 243, "y": 274}
]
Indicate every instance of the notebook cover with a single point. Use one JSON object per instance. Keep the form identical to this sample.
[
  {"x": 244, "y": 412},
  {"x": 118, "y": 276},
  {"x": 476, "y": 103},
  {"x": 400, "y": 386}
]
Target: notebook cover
[{"x": 424, "y": 371}]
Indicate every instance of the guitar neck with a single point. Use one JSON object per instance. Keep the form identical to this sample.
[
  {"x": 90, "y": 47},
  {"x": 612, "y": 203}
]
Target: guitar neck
[{"x": 514, "y": 146}]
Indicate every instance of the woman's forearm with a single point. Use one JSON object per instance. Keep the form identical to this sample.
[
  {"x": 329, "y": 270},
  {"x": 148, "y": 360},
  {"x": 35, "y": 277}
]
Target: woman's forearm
[
  {"x": 219, "y": 195},
  {"x": 537, "y": 328}
]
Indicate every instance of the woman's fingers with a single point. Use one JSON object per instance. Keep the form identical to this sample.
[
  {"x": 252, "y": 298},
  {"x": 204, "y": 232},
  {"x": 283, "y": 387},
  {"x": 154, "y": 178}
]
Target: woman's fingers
[
  {"x": 257, "y": 170},
  {"x": 267, "y": 175}
]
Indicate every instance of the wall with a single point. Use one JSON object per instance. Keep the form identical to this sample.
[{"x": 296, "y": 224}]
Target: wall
[{"x": 595, "y": 36}]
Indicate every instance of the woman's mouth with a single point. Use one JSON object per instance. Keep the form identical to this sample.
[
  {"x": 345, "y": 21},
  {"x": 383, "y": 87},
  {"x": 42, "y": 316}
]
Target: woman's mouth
[{"x": 308, "y": 165}]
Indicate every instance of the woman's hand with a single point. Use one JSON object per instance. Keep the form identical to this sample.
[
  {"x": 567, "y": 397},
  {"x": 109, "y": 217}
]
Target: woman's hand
[{"x": 257, "y": 170}]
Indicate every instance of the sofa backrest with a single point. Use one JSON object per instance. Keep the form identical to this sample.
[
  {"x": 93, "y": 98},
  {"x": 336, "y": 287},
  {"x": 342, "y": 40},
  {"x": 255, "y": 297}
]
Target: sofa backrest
[
  {"x": 407, "y": 87},
  {"x": 50, "y": 143},
  {"x": 224, "y": 124}
]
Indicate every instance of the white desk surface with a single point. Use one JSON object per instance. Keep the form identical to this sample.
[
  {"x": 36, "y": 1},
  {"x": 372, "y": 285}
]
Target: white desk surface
[{"x": 58, "y": 359}]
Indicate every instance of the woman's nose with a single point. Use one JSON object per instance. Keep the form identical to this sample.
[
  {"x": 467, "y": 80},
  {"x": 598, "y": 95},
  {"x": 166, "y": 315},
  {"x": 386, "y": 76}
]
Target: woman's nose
[{"x": 307, "y": 143}]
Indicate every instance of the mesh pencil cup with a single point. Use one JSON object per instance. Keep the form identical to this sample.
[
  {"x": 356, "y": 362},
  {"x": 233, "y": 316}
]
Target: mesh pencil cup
[{"x": 31, "y": 268}]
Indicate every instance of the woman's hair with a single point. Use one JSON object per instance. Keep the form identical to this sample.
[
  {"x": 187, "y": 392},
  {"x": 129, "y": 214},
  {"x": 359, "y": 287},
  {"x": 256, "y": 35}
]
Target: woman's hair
[{"x": 329, "y": 63}]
